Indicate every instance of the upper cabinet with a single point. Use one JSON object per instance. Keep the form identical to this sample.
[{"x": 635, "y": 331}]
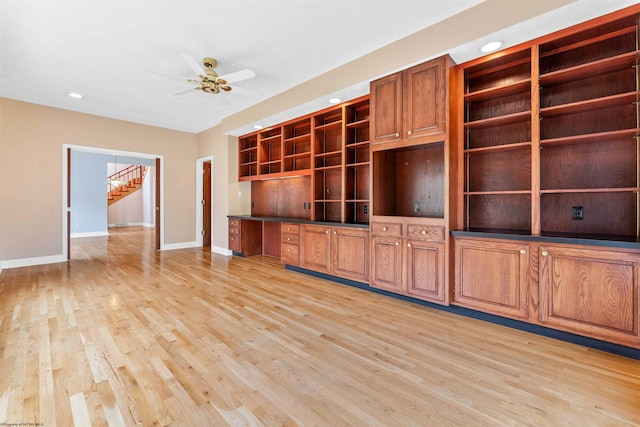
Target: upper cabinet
[{"x": 411, "y": 106}]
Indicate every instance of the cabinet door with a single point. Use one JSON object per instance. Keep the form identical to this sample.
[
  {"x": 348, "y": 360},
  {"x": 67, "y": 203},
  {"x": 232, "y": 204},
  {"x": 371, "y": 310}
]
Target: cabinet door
[
  {"x": 590, "y": 292},
  {"x": 425, "y": 270},
  {"x": 386, "y": 109},
  {"x": 315, "y": 247},
  {"x": 350, "y": 248},
  {"x": 425, "y": 99},
  {"x": 386, "y": 263},
  {"x": 492, "y": 276}
]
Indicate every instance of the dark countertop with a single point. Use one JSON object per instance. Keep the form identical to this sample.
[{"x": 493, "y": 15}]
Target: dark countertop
[
  {"x": 297, "y": 221},
  {"x": 599, "y": 240}
]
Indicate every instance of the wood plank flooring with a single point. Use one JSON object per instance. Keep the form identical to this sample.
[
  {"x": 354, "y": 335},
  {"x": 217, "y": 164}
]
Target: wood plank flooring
[{"x": 125, "y": 336}]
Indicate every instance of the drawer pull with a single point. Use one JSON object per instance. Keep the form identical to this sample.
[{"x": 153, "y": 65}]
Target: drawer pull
[
  {"x": 327, "y": 231},
  {"x": 522, "y": 251},
  {"x": 409, "y": 132},
  {"x": 397, "y": 243},
  {"x": 335, "y": 232},
  {"x": 288, "y": 238},
  {"x": 408, "y": 245},
  {"x": 397, "y": 135},
  {"x": 545, "y": 253},
  {"x": 384, "y": 228},
  {"x": 423, "y": 232}
]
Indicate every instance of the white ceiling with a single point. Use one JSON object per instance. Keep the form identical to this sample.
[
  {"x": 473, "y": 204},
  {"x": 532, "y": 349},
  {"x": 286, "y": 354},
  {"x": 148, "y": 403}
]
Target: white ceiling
[{"x": 104, "y": 49}]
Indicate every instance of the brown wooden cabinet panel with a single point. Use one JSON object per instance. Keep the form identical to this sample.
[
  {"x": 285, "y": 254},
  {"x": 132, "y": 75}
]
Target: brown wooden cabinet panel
[
  {"x": 340, "y": 251},
  {"x": 492, "y": 276},
  {"x": 410, "y": 104},
  {"x": 425, "y": 270},
  {"x": 315, "y": 247},
  {"x": 350, "y": 252},
  {"x": 426, "y": 101},
  {"x": 386, "y": 109},
  {"x": 290, "y": 240},
  {"x": 408, "y": 257},
  {"x": 386, "y": 263},
  {"x": 245, "y": 237},
  {"x": 590, "y": 291}
]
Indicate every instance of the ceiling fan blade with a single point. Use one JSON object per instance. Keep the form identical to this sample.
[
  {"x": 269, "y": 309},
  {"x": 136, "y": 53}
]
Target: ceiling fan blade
[
  {"x": 193, "y": 64},
  {"x": 239, "y": 76},
  {"x": 191, "y": 89},
  {"x": 169, "y": 75},
  {"x": 243, "y": 91}
]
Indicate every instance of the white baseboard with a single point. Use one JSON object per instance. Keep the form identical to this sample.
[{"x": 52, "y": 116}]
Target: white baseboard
[
  {"x": 221, "y": 251},
  {"x": 127, "y": 224},
  {"x": 28, "y": 262},
  {"x": 173, "y": 246},
  {"x": 148, "y": 225},
  {"x": 90, "y": 234},
  {"x": 0, "y": 267}
]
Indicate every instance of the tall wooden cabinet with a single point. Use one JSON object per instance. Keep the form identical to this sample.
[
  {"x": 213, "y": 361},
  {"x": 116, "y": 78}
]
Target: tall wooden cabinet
[
  {"x": 550, "y": 167},
  {"x": 410, "y": 156}
]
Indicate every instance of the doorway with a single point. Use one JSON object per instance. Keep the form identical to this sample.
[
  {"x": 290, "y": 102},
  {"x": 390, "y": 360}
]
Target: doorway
[
  {"x": 67, "y": 201},
  {"x": 206, "y": 204}
]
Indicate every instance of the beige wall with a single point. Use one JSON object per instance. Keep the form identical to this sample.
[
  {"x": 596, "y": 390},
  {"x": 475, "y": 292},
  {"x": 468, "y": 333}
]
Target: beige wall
[{"x": 32, "y": 137}]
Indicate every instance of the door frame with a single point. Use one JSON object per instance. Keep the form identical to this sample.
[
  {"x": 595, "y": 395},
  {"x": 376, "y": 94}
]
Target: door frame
[
  {"x": 66, "y": 173},
  {"x": 199, "y": 217}
]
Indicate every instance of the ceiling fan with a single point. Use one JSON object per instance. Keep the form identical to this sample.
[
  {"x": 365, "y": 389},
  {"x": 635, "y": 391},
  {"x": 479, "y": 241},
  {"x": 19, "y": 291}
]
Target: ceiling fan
[{"x": 208, "y": 79}]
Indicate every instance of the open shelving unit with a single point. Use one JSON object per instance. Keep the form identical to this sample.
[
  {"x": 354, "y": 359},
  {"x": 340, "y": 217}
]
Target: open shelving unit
[
  {"x": 297, "y": 145},
  {"x": 328, "y": 166},
  {"x": 357, "y": 171},
  {"x": 248, "y": 156},
  {"x": 498, "y": 143}
]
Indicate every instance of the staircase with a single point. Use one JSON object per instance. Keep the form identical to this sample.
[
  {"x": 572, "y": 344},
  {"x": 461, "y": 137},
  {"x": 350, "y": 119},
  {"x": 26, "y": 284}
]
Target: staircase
[{"x": 124, "y": 182}]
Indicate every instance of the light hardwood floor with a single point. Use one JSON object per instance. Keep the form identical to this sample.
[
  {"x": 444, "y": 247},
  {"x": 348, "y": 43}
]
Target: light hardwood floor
[{"x": 123, "y": 335}]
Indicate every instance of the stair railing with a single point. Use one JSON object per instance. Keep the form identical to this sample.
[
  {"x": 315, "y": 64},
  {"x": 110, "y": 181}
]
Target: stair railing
[{"x": 125, "y": 178}]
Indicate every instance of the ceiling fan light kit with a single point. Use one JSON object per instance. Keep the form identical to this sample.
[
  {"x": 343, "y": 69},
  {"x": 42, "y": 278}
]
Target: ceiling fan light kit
[{"x": 209, "y": 81}]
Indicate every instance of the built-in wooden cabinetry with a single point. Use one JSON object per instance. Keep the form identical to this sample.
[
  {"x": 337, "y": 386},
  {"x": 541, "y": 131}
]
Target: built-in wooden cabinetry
[
  {"x": 245, "y": 237},
  {"x": 339, "y": 251},
  {"x": 290, "y": 253},
  {"x": 411, "y": 104},
  {"x": 408, "y": 257},
  {"x": 410, "y": 157},
  {"x": 550, "y": 163},
  {"x": 331, "y": 147}
]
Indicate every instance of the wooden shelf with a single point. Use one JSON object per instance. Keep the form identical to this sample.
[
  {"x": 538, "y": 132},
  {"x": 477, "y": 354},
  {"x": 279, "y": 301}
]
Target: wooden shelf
[
  {"x": 591, "y": 104},
  {"x": 589, "y": 41},
  {"x": 500, "y": 91},
  {"x": 592, "y": 137},
  {"x": 329, "y": 154},
  {"x": 249, "y": 163},
  {"x": 270, "y": 139},
  {"x": 297, "y": 138},
  {"x": 360, "y": 124},
  {"x": 484, "y": 193},
  {"x": 330, "y": 125},
  {"x": 499, "y": 120},
  {"x": 297, "y": 155},
  {"x": 497, "y": 148},
  {"x": 357, "y": 165},
  {"x": 591, "y": 190},
  {"x": 325, "y": 168},
  {"x": 590, "y": 69}
]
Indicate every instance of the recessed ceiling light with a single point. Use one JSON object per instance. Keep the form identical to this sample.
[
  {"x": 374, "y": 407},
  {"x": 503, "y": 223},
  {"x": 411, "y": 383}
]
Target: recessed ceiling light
[
  {"x": 334, "y": 100},
  {"x": 257, "y": 127},
  {"x": 490, "y": 47},
  {"x": 75, "y": 95}
]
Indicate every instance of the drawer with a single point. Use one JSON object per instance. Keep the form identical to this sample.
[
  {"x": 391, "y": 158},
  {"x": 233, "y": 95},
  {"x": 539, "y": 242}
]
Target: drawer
[
  {"x": 234, "y": 243},
  {"x": 234, "y": 231},
  {"x": 290, "y": 228},
  {"x": 290, "y": 254},
  {"x": 425, "y": 232},
  {"x": 290, "y": 238},
  {"x": 234, "y": 223},
  {"x": 386, "y": 229}
]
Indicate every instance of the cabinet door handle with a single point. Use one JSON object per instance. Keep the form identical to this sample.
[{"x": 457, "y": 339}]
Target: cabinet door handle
[
  {"x": 409, "y": 132},
  {"x": 408, "y": 245},
  {"x": 397, "y": 135},
  {"x": 288, "y": 238},
  {"x": 232, "y": 238},
  {"x": 397, "y": 243},
  {"x": 288, "y": 228},
  {"x": 327, "y": 231},
  {"x": 545, "y": 253},
  {"x": 423, "y": 232},
  {"x": 335, "y": 232},
  {"x": 384, "y": 228},
  {"x": 522, "y": 251}
]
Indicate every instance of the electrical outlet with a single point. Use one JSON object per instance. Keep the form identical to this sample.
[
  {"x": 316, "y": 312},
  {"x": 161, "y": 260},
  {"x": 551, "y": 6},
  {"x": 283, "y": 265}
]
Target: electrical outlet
[
  {"x": 577, "y": 212},
  {"x": 365, "y": 209},
  {"x": 416, "y": 207}
]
